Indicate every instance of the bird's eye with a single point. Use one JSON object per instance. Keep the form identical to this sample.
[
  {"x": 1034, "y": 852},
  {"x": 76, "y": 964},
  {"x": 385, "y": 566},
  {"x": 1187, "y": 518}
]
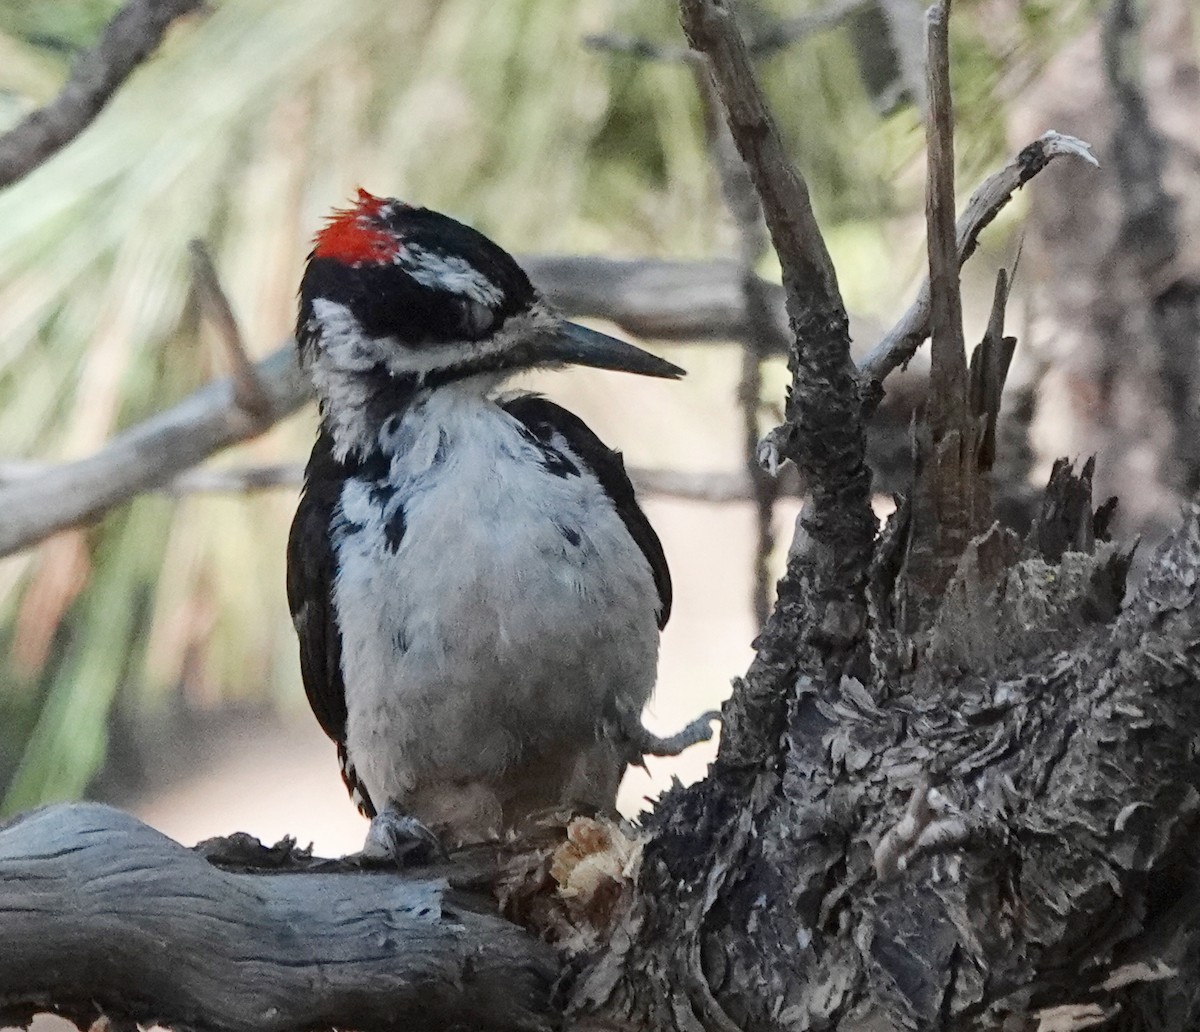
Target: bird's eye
[{"x": 477, "y": 318}]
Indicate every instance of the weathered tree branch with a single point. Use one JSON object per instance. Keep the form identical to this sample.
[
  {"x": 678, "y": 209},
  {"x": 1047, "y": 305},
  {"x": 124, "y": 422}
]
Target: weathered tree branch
[
  {"x": 146, "y": 456},
  {"x": 947, "y": 352},
  {"x": 986, "y": 823},
  {"x": 248, "y": 391},
  {"x": 663, "y": 300},
  {"x": 1029, "y": 726},
  {"x": 901, "y": 342},
  {"x": 102, "y": 915},
  {"x": 132, "y": 35},
  {"x": 947, "y": 501},
  {"x": 657, "y": 299},
  {"x": 824, "y": 434},
  {"x": 673, "y": 300}
]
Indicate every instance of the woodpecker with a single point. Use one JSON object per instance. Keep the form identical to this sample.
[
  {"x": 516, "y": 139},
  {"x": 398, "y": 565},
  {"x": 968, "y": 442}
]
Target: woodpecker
[{"x": 477, "y": 594}]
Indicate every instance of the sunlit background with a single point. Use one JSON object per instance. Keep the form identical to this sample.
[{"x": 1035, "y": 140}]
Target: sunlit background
[{"x": 149, "y": 659}]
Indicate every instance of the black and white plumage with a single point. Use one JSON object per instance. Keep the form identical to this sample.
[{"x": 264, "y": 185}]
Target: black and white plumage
[{"x": 477, "y": 594}]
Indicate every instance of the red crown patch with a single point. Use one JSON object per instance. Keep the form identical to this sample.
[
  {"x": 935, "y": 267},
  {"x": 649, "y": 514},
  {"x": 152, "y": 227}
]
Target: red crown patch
[{"x": 350, "y": 235}]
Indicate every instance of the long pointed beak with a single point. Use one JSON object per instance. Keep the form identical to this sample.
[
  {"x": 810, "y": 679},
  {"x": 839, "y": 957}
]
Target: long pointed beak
[{"x": 578, "y": 345}]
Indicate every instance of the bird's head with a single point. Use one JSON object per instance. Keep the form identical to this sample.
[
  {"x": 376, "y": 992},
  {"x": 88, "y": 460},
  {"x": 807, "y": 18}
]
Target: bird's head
[{"x": 409, "y": 294}]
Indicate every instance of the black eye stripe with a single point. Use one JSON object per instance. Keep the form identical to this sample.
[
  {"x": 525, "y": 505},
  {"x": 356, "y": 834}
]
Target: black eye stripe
[{"x": 387, "y": 302}]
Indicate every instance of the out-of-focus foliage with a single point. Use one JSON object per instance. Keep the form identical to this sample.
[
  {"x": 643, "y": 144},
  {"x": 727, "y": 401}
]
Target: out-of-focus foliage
[
  {"x": 250, "y": 124},
  {"x": 60, "y": 27}
]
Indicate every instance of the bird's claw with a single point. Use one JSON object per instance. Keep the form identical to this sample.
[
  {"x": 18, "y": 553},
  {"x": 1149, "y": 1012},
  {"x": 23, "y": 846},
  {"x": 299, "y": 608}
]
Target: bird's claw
[
  {"x": 398, "y": 839},
  {"x": 647, "y": 743}
]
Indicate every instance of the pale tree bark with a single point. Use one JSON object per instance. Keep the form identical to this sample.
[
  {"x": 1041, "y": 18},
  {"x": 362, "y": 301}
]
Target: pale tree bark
[{"x": 100, "y": 914}]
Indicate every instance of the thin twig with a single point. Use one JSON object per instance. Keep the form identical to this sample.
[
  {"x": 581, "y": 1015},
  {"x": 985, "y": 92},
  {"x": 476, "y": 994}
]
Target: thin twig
[
  {"x": 827, "y": 441},
  {"x": 132, "y": 35},
  {"x": 742, "y": 202},
  {"x": 766, "y": 41},
  {"x": 900, "y": 344},
  {"x": 248, "y": 389},
  {"x": 948, "y": 355},
  {"x": 808, "y": 270}
]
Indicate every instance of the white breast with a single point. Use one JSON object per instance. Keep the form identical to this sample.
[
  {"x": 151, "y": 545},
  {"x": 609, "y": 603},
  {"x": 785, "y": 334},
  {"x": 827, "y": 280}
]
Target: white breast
[{"x": 511, "y": 616}]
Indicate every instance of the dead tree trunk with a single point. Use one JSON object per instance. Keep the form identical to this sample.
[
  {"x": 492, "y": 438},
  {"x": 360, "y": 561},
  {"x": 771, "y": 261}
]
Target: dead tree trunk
[{"x": 977, "y": 810}]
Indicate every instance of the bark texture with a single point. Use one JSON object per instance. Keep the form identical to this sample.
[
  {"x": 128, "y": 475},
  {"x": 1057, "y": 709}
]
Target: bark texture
[
  {"x": 980, "y": 823},
  {"x": 100, "y": 914},
  {"x": 977, "y": 809}
]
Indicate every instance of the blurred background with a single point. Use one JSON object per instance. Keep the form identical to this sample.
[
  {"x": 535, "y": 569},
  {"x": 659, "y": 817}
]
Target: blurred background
[{"x": 149, "y": 659}]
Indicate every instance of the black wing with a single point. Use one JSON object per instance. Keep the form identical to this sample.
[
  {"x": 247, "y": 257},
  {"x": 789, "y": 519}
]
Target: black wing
[
  {"x": 544, "y": 419},
  {"x": 310, "y": 575}
]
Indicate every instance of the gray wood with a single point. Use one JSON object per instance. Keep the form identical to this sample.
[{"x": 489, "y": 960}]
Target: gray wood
[
  {"x": 978, "y": 815},
  {"x": 100, "y": 913},
  {"x": 661, "y": 299}
]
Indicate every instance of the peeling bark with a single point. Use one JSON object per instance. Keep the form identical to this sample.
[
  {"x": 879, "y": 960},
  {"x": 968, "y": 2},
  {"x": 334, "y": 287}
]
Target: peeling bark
[{"x": 1055, "y": 866}]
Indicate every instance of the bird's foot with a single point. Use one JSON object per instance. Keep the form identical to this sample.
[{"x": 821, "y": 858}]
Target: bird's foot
[
  {"x": 398, "y": 839},
  {"x": 649, "y": 744}
]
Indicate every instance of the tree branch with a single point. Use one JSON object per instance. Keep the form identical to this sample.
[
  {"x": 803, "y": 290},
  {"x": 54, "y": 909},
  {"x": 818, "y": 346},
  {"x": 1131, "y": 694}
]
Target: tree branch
[
  {"x": 900, "y": 344},
  {"x": 824, "y": 434},
  {"x": 671, "y": 300},
  {"x": 248, "y": 390},
  {"x": 146, "y": 456},
  {"x": 715, "y": 486},
  {"x": 658, "y": 299},
  {"x": 132, "y": 35},
  {"x": 102, "y": 915},
  {"x": 808, "y": 271}
]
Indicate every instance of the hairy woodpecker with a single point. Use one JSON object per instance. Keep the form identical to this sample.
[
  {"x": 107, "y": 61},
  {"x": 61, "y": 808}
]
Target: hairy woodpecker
[{"x": 477, "y": 594}]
